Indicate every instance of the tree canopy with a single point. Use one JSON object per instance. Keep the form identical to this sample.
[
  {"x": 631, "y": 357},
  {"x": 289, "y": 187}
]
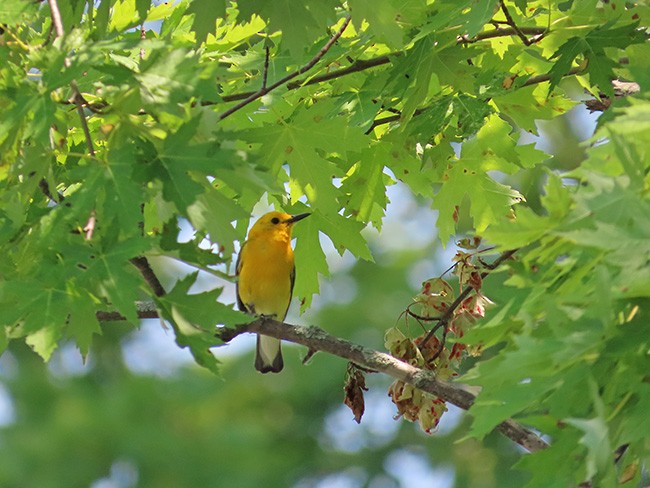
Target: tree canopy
[{"x": 125, "y": 120}]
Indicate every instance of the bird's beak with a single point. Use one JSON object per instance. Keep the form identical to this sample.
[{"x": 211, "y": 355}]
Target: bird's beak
[{"x": 296, "y": 218}]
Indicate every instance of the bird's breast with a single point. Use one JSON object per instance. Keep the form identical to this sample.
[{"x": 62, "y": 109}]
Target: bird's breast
[{"x": 265, "y": 277}]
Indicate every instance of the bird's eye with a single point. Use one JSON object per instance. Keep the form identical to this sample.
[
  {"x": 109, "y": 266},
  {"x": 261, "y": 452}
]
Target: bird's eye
[{"x": 275, "y": 220}]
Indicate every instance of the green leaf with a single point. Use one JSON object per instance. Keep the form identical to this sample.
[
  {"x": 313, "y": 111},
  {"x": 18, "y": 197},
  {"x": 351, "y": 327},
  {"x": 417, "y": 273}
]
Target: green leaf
[
  {"x": 206, "y": 13},
  {"x": 194, "y": 317},
  {"x": 345, "y": 233},
  {"x": 596, "y": 436},
  {"x": 142, "y": 7},
  {"x": 310, "y": 261},
  {"x": 554, "y": 460},
  {"x": 35, "y": 305},
  {"x": 214, "y": 213},
  {"x": 420, "y": 64},
  {"x": 526, "y": 105},
  {"x": 481, "y": 11},
  {"x": 365, "y": 189},
  {"x": 45, "y": 341},
  {"x": 382, "y": 17},
  {"x": 203, "y": 310},
  {"x": 526, "y": 228},
  {"x": 303, "y": 143},
  {"x": 301, "y": 23},
  {"x": 489, "y": 201},
  {"x": 16, "y": 11},
  {"x": 125, "y": 14},
  {"x": 471, "y": 113},
  {"x": 123, "y": 193},
  {"x": 451, "y": 67},
  {"x": 168, "y": 77},
  {"x": 109, "y": 268},
  {"x": 506, "y": 392},
  {"x": 83, "y": 323},
  {"x": 592, "y": 46}
]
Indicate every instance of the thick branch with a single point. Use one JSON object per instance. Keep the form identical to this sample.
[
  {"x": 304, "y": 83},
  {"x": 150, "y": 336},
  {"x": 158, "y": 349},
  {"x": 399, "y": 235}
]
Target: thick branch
[
  {"x": 146, "y": 310},
  {"x": 316, "y": 338}
]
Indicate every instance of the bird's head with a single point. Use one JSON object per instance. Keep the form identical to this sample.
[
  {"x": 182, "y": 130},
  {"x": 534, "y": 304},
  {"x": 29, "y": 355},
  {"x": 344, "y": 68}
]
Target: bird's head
[{"x": 275, "y": 223}]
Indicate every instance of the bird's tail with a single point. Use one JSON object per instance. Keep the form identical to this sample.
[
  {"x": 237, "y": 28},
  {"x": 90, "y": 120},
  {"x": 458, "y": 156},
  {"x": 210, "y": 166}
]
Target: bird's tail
[{"x": 269, "y": 355}]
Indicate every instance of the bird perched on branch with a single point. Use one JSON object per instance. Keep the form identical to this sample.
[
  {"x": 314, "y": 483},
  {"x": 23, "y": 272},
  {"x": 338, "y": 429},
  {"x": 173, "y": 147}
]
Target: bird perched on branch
[{"x": 266, "y": 271}]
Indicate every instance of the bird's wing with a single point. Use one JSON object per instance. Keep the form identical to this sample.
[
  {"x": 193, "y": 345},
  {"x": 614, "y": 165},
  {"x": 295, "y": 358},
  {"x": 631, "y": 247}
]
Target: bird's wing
[
  {"x": 293, "y": 280},
  {"x": 238, "y": 266}
]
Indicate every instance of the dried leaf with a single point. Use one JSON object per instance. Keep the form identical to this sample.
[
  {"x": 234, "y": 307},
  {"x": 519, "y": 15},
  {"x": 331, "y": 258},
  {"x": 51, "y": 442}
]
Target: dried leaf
[{"x": 355, "y": 385}]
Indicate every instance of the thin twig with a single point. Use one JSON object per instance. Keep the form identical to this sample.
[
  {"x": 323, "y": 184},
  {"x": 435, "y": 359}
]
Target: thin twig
[
  {"x": 502, "y": 32},
  {"x": 419, "y": 317},
  {"x": 392, "y": 118},
  {"x": 56, "y": 18},
  {"x": 518, "y": 30},
  {"x": 533, "y": 80},
  {"x": 364, "y": 64},
  {"x": 359, "y": 65},
  {"x": 264, "y": 90},
  {"x": 76, "y": 94},
  {"x": 45, "y": 188},
  {"x": 444, "y": 319},
  {"x": 143, "y": 37},
  {"x": 265, "y": 74}
]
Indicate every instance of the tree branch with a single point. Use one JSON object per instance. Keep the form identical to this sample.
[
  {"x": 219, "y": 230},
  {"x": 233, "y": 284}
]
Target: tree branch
[
  {"x": 315, "y": 338},
  {"x": 148, "y": 274},
  {"x": 76, "y": 94},
  {"x": 519, "y": 30},
  {"x": 533, "y": 80},
  {"x": 45, "y": 188},
  {"x": 621, "y": 89},
  {"x": 146, "y": 310},
  {"x": 264, "y": 90},
  {"x": 444, "y": 319},
  {"x": 502, "y": 32},
  {"x": 265, "y": 74},
  {"x": 364, "y": 64}
]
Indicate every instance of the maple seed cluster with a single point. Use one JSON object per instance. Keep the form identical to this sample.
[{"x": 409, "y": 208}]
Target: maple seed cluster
[{"x": 443, "y": 354}]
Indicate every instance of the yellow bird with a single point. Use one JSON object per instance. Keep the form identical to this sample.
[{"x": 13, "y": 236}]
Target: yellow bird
[{"x": 266, "y": 271}]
